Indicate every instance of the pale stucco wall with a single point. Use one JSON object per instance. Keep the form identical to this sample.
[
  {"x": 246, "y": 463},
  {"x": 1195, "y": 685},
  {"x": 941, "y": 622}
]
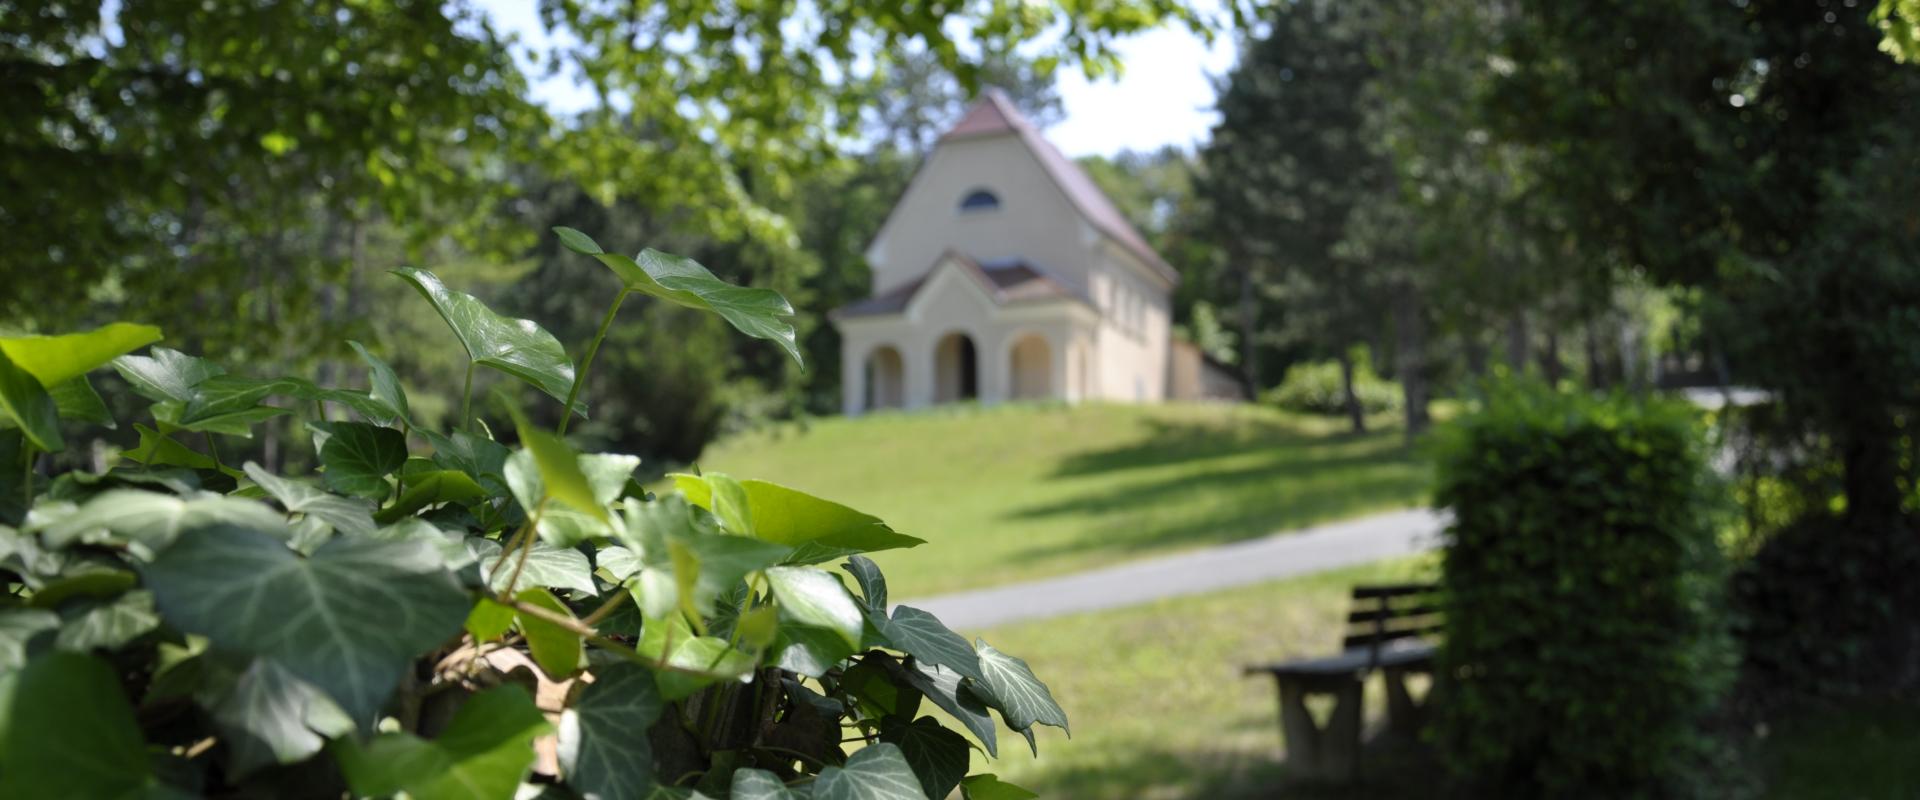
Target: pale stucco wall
[
  {"x": 1035, "y": 221},
  {"x": 1136, "y": 324}
]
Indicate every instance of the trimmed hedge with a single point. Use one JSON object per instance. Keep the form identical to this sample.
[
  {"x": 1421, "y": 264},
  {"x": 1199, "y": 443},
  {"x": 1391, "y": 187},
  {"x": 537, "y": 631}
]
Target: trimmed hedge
[
  {"x": 1586, "y": 636},
  {"x": 1316, "y": 387}
]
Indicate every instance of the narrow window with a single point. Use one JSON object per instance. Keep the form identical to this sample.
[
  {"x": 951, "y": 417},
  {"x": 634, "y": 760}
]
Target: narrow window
[{"x": 979, "y": 200}]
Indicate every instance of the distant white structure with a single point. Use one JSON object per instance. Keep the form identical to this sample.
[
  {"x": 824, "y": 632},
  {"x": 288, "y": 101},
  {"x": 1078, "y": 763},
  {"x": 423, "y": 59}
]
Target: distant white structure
[{"x": 1004, "y": 273}]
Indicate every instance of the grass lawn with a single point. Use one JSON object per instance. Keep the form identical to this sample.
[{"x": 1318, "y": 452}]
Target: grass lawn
[
  {"x": 1023, "y": 491},
  {"x": 1158, "y": 705}
]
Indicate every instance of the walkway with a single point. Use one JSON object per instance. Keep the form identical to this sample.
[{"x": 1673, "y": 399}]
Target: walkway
[{"x": 1281, "y": 555}]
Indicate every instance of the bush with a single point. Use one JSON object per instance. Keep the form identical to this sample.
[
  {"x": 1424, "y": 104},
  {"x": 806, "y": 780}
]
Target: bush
[
  {"x": 1585, "y": 636},
  {"x": 1316, "y": 388},
  {"x": 182, "y": 626}
]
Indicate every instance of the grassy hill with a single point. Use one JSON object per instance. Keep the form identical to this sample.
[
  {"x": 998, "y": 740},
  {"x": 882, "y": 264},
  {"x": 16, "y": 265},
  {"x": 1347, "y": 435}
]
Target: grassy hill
[{"x": 1023, "y": 491}]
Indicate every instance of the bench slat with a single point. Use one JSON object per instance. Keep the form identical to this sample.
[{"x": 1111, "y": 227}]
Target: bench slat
[
  {"x": 1394, "y": 590},
  {"x": 1390, "y": 614}
]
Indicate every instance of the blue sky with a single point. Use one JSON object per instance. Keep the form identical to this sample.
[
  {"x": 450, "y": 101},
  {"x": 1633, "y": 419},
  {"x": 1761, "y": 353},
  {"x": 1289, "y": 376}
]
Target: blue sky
[{"x": 1165, "y": 95}]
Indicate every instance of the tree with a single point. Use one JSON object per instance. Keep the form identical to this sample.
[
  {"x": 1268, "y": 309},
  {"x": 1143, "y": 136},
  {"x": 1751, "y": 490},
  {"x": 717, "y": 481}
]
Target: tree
[{"x": 1284, "y": 171}]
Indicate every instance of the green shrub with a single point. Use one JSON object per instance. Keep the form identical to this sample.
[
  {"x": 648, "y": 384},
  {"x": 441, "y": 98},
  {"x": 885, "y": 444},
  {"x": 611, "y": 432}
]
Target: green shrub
[
  {"x": 180, "y": 626},
  {"x": 1583, "y": 591},
  {"x": 1316, "y": 387}
]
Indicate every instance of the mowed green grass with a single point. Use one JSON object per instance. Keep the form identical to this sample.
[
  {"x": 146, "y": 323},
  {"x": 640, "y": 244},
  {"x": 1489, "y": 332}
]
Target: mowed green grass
[
  {"x": 1017, "y": 492},
  {"x": 1156, "y": 697}
]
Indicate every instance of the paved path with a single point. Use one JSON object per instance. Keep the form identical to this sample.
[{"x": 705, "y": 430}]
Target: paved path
[{"x": 1280, "y": 555}]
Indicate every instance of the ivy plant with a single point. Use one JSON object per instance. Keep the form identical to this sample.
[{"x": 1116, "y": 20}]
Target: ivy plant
[{"x": 455, "y": 613}]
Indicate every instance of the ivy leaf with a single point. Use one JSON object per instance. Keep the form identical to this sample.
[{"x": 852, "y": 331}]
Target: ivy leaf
[
  {"x": 687, "y": 562},
  {"x": 386, "y": 385},
  {"x": 77, "y": 401},
  {"x": 348, "y": 619},
  {"x": 54, "y": 360},
  {"x": 938, "y": 756},
  {"x": 451, "y": 546},
  {"x": 819, "y": 530},
  {"x": 698, "y": 661},
  {"x": 1011, "y": 686},
  {"x": 348, "y": 516},
  {"x": 484, "y": 460},
  {"x": 759, "y": 784},
  {"x": 549, "y": 566},
  {"x": 483, "y": 754},
  {"x": 158, "y": 449},
  {"x": 165, "y": 374},
  {"x": 29, "y": 406},
  {"x": 556, "y": 649},
  {"x": 990, "y": 787},
  {"x": 431, "y": 487},
  {"x": 359, "y": 457},
  {"x": 620, "y": 563},
  {"x": 810, "y": 651},
  {"x": 943, "y": 687},
  {"x": 604, "y": 750},
  {"x": 877, "y": 772},
  {"x": 517, "y": 347},
  {"x": 146, "y": 522},
  {"x": 109, "y": 624},
  {"x": 267, "y": 715},
  {"x": 814, "y": 597},
  {"x": 66, "y": 730},
  {"x": 873, "y": 585},
  {"x": 680, "y": 280},
  {"x": 489, "y": 620},
  {"x": 926, "y": 638},
  {"x": 17, "y": 627}
]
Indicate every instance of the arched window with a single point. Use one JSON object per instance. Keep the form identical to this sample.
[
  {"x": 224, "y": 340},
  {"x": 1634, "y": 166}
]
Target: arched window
[{"x": 980, "y": 200}]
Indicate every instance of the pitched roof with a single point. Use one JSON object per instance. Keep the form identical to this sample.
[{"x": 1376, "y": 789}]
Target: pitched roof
[
  {"x": 1006, "y": 282},
  {"x": 994, "y": 115}
]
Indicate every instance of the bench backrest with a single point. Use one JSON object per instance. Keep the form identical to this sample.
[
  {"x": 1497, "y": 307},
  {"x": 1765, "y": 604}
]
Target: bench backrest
[{"x": 1384, "y": 614}]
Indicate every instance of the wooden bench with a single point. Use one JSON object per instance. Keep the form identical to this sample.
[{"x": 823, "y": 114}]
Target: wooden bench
[{"x": 1390, "y": 629}]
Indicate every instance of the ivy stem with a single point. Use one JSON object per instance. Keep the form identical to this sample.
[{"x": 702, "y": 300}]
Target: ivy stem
[
  {"x": 466, "y": 401},
  {"x": 593, "y": 348},
  {"x": 530, "y": 534},
  {"x": 593, "y": 637},
  {"x": 619, "y": 596},
  {"x": 26, "y": 485},
  {"x": 213, "y": 451}
]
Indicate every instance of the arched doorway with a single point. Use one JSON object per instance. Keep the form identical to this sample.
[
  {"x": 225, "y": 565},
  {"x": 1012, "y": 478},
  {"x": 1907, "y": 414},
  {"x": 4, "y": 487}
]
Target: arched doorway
[
  {"x": 1031, "y": 368},
  {"x": 886, "y": 378},
  {"x": 956, "y": 369}
]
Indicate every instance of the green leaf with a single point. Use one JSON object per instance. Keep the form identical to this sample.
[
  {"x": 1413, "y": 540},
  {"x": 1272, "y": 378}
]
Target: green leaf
[
  {"x": 1011, "y": 687},
  {"x": 166, "y": 374},
  {"x": 810, "y": 651},
  {"x": 926, "y": 638},
  {"x": 76, "y": 401},
  {"x": 873, "y": 585},
  {"x": 560, "y": 473},
  {"x": 937, "y": 755},
  {"x": 943, "y": 686},
  {"x": 680, "y": 280},
  {"x": 578, "y": 242},
  {"x": 386, "y": 385},
  {"x": 146, "y": 522},
  {"x": 757, "y": 628},
  {"x": 267, "y": 715},
  {"x": 483, "y": 754},
  {"x": 158, "y": 449},
  {"x": 556, "y": 649},
  {"x": 604, "y": 750},
  {"x": 484, "y": 460},
  {"x": 359, "y": 457},
  {"x": 348, "y": 619},
  {"x": 698, "y": 661},
  {"x": 549, "y": 566},
  {"x": 109, "y": 624},
  {"x": 990, "y": 787},
  {"x": 347, "y": 515},
  {"x": 688, "y": 564},
  {"x": 431, "y": 487},
  {"x": 66, "y": 730},
  {"x": 759, "y": 784},
  {"x": 17, "y": 627},
  {"x": 29, "y": 407},
  {"x": 819, "y": 530},
  {"x": 451, "y": 546},
  {"x": 517, "y": 347},
  {"x": 54, "y": 360},
  {"x": 815, "y": 597},
  {"x": 620, "y": 563},
  {"x": 877, "y": 772},
  {"x": 489, "y": 620}
]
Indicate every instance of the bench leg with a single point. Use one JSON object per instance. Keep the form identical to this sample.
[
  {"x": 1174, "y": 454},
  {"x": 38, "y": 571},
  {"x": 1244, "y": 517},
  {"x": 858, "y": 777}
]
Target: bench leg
[
  {"x": 1405, "y": 716},
  {"x": 1315, "y": 752}
]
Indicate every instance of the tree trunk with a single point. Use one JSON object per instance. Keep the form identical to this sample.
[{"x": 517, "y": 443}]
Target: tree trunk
[
  {"x": 1477, "y": 355},
  {"x": 1355, "y": 413},
  {"x": 1596, "y": 366},
  {"x": 1517, "y": 342},
  {"x": 1550, "y": 366},
  {"x": 1872, "y": 470},
  {"x": 1249, "y": 366},
  {"x": 1410, "y": 328}
]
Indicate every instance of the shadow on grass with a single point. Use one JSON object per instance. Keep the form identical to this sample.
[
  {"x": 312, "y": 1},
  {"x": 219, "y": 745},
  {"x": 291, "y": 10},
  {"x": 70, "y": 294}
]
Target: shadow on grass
[
  {"x": 1394, "y": 771},
  {"x": 1229, "y": 484}
]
